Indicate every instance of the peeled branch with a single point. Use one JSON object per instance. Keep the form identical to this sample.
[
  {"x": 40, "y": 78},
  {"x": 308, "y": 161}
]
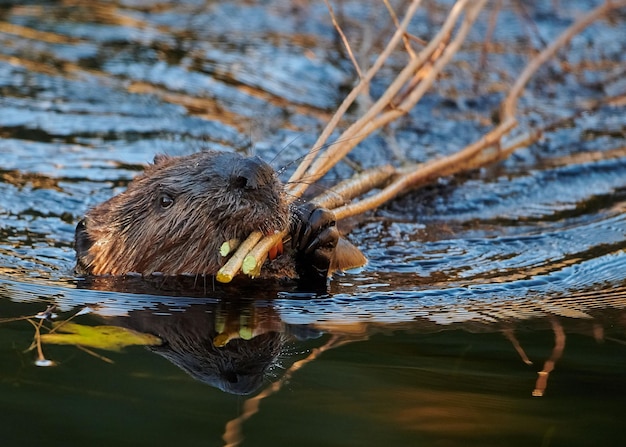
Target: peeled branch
[
  {"x": 232, "y": 267},
  {"x": 256, "y": 257},
  {"x": 229, "y": 246}
]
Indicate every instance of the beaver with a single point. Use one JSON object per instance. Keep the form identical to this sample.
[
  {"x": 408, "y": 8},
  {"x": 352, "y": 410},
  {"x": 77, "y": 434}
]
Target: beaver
[{"x": 173, "y": 218}]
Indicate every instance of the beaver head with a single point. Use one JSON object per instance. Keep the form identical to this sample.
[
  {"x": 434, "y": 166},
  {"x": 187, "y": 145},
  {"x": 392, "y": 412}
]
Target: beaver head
[{"x": 174, "y": 217}]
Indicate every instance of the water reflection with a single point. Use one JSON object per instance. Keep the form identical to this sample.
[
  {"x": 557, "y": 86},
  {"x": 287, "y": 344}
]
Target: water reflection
[
  {"x": 238, "y": 338},
  {"x": 229, "y": 341},
  {"x": 229, "y": 345},
  {"x": 419, "y": 374}
]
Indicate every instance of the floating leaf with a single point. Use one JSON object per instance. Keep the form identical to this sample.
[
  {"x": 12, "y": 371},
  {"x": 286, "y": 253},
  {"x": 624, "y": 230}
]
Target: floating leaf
[{"x": 112, "y": 338}]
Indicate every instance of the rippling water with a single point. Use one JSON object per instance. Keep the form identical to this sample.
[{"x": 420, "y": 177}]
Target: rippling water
[{"x": 481, "y": 290}]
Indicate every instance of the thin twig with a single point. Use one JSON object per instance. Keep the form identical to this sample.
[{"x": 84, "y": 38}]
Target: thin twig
[
  {"x": 482, "y": 62},
  {"x": 298, "y": 175},
  {"x": 418, "y": 92},
  {"x": 510, "y": 335},
  {"x": 557, "y": 352},
  {"x": 510, "y": 104},
  {"x": 95, "y": 354},
  {"x": 346, "y": 44},
  {"x": 41, "y": 359},
  {"x": 406, "y": 37}
]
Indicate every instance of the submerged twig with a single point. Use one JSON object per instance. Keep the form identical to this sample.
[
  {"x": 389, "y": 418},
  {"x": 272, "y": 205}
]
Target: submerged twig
[
  {"x": 94, "y": 354},
  {"x": 510, "y": 335},
  {"x": 41, "y": 359},
  {"x": 548, "y": 367}
]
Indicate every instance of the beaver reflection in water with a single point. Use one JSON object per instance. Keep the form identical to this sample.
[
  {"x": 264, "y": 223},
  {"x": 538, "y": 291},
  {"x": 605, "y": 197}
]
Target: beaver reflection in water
[
  {"x": 173, "y": 218},
  {"x": 207, "y": 341}
]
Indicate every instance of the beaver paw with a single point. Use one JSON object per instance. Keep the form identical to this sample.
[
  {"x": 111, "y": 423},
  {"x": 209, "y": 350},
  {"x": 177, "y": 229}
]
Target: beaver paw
[{"x": 314, "y": 237}]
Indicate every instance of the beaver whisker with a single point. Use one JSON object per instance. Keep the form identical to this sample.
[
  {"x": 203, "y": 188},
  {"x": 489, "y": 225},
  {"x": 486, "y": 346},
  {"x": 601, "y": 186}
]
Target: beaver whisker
[{"x": 280, "y": 171}]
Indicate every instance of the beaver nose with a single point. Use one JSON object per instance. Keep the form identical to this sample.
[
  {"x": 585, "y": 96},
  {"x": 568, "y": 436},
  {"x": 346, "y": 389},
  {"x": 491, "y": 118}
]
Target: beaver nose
[{"x": 251, "y": 173}]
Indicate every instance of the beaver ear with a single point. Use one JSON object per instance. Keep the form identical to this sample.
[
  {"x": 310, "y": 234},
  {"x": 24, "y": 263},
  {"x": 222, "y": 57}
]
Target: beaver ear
[
  {"x": 82, "y": 244},
  {"x": 161, "y": 158},
  {"x": 346, "y": 256}
]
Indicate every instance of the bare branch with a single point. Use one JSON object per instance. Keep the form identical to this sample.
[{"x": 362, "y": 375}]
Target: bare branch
[{"x": 343, "y": 39}]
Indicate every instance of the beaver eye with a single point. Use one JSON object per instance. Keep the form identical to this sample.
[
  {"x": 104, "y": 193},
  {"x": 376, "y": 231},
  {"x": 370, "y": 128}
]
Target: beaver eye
[
  {"x": 240, "y": 182},
  {"x": 165, "y": 201}
]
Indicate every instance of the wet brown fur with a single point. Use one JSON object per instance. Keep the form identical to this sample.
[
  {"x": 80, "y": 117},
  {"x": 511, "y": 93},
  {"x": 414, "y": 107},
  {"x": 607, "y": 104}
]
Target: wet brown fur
[{"x": 216, "y": 196}]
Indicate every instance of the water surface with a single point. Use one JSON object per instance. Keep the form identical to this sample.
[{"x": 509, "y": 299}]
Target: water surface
[{"x": 492, "y": 310}]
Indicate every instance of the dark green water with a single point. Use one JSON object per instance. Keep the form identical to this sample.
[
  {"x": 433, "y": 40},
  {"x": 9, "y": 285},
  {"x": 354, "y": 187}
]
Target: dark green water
[
  {"x": 398, "y": 383},
  {"x": 418, "y": 348}
]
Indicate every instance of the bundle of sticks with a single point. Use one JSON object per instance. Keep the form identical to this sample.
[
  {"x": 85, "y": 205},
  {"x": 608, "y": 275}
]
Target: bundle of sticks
[{"x": 401, "y": 95}]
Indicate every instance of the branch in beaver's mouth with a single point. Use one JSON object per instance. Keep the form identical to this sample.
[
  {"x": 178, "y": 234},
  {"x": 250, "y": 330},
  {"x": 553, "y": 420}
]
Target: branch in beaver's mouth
[
  {"x": 232, "y": 266},
  {"x": 229, "y": 246}
]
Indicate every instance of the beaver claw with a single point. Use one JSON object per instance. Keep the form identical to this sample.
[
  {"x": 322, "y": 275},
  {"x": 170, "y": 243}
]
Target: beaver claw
[{"x": 314, "y": 237}]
